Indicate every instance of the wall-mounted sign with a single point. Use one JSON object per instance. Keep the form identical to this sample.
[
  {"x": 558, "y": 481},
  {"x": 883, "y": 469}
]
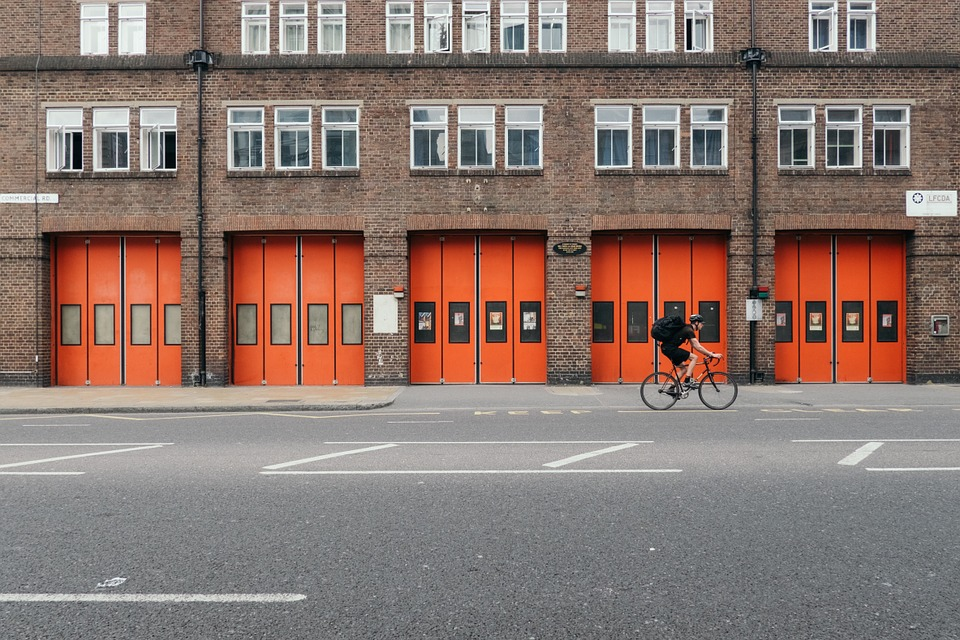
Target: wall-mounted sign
[
  {"x": 569, "y": 248},
  {"x": 931, "y": 203},
  {"x": 29, "y": 198}
]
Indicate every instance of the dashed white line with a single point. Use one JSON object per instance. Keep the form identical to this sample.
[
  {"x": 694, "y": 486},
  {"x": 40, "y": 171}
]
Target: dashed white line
[
  {"x": 466, "y": 471},
  {"x": 327, "y": 456},
  {"x": 589, "y": 454},
  {"x": 142, "y": 598},
  {"x": 79, "y": 455},
  {"x": 861, "y": 453},
  {"x": 913, "y": 468}
]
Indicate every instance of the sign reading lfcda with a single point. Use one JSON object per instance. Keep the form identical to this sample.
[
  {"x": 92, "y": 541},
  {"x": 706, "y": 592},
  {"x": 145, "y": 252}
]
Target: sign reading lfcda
[
  {"x": 932, "y": 203},
  {"x": 569, "y": 248}
]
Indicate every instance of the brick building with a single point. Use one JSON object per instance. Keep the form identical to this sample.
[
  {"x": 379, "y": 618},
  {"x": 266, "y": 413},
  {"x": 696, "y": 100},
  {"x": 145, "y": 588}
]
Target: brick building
[{"x": 433, "y": 191}]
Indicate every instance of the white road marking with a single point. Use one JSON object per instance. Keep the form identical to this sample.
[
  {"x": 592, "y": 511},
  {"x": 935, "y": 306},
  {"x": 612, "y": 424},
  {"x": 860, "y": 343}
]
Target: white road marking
[
  {"x": 786, "y": 419},
  {"x": 913, "y": 469},
  {"x": 861, "y": 453},
  {"x": 85, "y": 444},
  {"x": 590, "y": 454},
  {"x": 496, "y": 442},
  {"x": 465, "y": 471},
  {"x": 79, "y": 455},
  {"x": 419, "y": 421},
  {"x": 141, "y": 598},
  {"x": 327, "y": 456},
  {"x": 889, "y": 440},
  {"x": 42, "y": 473}
]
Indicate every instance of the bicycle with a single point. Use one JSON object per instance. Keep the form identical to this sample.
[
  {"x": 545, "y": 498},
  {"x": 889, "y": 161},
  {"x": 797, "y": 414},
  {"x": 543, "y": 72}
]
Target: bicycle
[{"x": 660, "y": 390}]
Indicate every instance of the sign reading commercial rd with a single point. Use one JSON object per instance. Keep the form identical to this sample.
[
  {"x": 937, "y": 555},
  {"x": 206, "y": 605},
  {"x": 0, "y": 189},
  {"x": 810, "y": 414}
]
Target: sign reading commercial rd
[
  {"x": 931, "y": 203},
  {"x": 569, "y": 248},
  {"x": 29, "y": 198}
]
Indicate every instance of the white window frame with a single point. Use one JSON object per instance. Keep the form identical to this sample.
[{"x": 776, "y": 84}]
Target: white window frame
[
  {"x": 255, "y": 17},
  {"x": 514, "y": 14},
  {"x": 132, "y": 28},
  {"x": 553, "y": 13},
  {"x": 437, "y": 27},
  {"x": 622, "y": 16},
  {"x": 400, "y": 19},
  {"x": 476, "y": 26},
  {"x": 791, "y": 119},
  {"x": 823, "y": 13},
  {"x": 250, "y": 127},
  {"x": 864, "y": 11},
  {"x": 660, "y": 20},
  {"x": 94, "y": 29},
  {"x": 158, "y": 125},
  {"x": 64, "y": 135},
  {"x": 293, "y": 27},
  {"x": 662, "y": 118},
  {"x": 292, "y": 120},
  {"x": 835, "y": 126},
  {"x": 433, "y": 119},
  {"x": 881, "y": 127},
  {"x": 332, "y": 16},
  {"x": 472, "y": 121},
  {"x": 607, "y": 120},
  {"x": 342, "y": 129},
  {"x": 698, "y": 24},
  {"x": 115, "y": 123},
  {"x": 703, "y": 120},
  {"x": 521, "y": 120}
]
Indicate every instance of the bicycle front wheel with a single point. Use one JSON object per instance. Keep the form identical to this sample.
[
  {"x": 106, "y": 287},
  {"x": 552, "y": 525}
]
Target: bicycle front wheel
[
  {"x": 659, "y": 391},
  {"x": 718, "y": 390}
]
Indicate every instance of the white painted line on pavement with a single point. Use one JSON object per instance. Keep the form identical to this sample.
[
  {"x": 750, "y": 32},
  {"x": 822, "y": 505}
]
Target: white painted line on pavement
[
  {"x": 786, "y": 419},
  {"x": 327, "y": 456},
  {"x": 913, "y": 469},
  {"x": 466, "y": 471},
  {"x": 79, "y": 455},
  {"x": 42, "y": 473},
  {"x": 861, "y": 453},
  {"x": 497, "y": 442},
  {"x": 888, "y": 440},
  {"x": 419, "y": 421},
  {"x": 589, "y": 454},
  {"x": 85, "y": 444},
  {"x": 142, "y": 598}
]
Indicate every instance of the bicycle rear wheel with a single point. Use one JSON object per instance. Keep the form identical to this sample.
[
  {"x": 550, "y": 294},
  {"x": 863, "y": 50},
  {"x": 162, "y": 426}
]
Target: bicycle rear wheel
[
  {"x": 718, "y": 390},
  {"x": 659, "y": 391}
]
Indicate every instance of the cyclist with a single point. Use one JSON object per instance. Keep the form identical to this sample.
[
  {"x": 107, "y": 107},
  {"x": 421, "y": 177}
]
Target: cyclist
[{"x": 671, "y": 349}]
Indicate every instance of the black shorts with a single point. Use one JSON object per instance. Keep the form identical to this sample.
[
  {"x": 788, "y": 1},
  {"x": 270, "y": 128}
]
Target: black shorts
[{"x": 677, "y": 355}]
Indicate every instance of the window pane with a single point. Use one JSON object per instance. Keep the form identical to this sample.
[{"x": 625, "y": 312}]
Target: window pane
[
  {"x": 103, "y": 324},
  {"x": 171, "y": 324},
  {"x": 317, "y": 331},
  {"x": 280, "y": 324},
  {"x": 70, "y": 325},
  {"x": 140, "y": 330},
  {"x": 352, "y": 323},
  {"x": 246, "y": 324}
]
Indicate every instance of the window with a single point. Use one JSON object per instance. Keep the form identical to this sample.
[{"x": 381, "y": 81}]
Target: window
[
  {"x": 64, "y": 139},
  {"x": 428, "y": 137},
  {"x": 292, "y": 137},
  {"x": 111, "y": 139},
  {"x": 436, "y": 27},
  {"x": 823, "y": 25},
  {"x": 796, "y": 137},
  {"x": 476, "y": 27},
  {"x": 132, "y": 29},
  {"x": 660, "y": 25},
  {"x": 332, "y": 22},
  {"x": 513, "y": 22},
  {"x": 708, "y": 137},
  {"x": 861, "y": 25},
  {"x": 158, "y": 139},
  {"x": 614, "y": 136},
  {"x": 94, "y": 39},
  {"x": 698, "y": 16},
  {"x": 245, "y": 138},
  {"x": 341, "y": 138},
  {"x": 891, "y": 137},
  {"x": 524, "y": 130},
  {"x": 476, "y": 137},
  {"x": 553, "y": 26},
  {"x": 843, "y": 137},
  {"x": 256, "y": 27},
  {"x": 293, "y": 27},
  {"x": 661, "y": 131},
  {"x": 399, "y": 27},
  {"x": 621, "y": 26}
]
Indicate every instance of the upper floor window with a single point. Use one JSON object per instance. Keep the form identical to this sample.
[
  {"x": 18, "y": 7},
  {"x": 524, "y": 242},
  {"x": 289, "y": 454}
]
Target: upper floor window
[
  {"x": 399, "y": 27},
  {"x": 823, "y": 25},
  {"x": 332, "y": 21},
  {"x": 796, "y": 137},
  {"x": 476, "y": 137},
  {"x": 111, "y": 139},
  {"x": 698, "y": 17},
  {"x": 844, "y": 135},
  {"x": 428, "y": 137},
  {"x": 621, "y": 25},
  {"x": 292, "y": 139},
  {"x": 891, "y": 137},
  {"x": 513, "y": 26},
  {"x": 64, "y": 139},
  {"x": 660, "y": 25},
  {"x": 614, "y": 136},
  {"x": 661, "y": 133},
  {"x": 524, "y": 130},
  {"x": 255, "y": 20},
  {"x": 245, "y": 138},
  {"x": 341, "y": 138},
  {"x": 437, "y": 22},
  {"x": 861, "y": 25},
  {"x": 293, "y": 27},
  {"x": 708, "y": 137},
  {"x": 553, "y": 25},
  {"x": 131, "y": 28},
  {"x": 476, "y": 27},
  {"x": 158, "y": 139},
  {"x": 94, "y": 38}
]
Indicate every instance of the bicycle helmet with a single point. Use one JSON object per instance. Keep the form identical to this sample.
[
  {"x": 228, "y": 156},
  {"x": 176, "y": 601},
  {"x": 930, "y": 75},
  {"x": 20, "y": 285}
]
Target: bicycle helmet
[{"x": 696, "y": 318}]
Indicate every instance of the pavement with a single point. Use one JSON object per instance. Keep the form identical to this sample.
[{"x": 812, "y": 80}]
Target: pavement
[{"x": 40, "y": 400}]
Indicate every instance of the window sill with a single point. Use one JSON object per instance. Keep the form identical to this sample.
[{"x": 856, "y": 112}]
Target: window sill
[
  {"x": 469, "y": 173},
  {"x": 650, "y": 171},
  {"x": 862, "y": 172},
  {"x": 111, "y": 175},
  {"x": 293, "y": 173}
]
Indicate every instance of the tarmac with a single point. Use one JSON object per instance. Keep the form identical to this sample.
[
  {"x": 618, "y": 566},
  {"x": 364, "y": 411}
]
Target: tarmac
[{"x": 123, "y": 399}]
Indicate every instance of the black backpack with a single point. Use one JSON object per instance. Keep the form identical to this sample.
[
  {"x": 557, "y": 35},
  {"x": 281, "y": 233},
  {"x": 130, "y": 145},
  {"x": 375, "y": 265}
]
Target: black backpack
[{"x": 665, "y": 328}]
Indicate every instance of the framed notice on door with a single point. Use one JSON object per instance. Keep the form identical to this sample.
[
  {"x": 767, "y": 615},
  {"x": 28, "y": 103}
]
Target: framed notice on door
[
  {"x": 852, "y": 321},
  {"x": 816, "y": 330},
  {"x": 424, "y": 329},
  {"x": 530, "y": 321},
  {"x": 496, "y": 329}
]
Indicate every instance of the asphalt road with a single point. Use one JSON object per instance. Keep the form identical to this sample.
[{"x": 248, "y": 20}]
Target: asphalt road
[{"x": 533, "y": 522}]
